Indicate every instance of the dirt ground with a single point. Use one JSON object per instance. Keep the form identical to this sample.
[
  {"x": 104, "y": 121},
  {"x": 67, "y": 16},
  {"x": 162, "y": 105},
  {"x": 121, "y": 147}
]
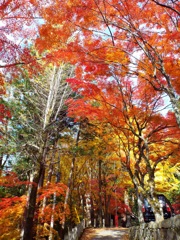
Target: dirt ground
[{"x": 91, "y": 233}]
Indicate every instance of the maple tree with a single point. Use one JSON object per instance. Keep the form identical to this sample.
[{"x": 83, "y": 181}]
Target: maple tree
[
  {"x": 11, "y": 205},
  {"x": 117, "y": 35},
  {"x": 19, "y": 23},
  {"x": 18, "y": 27},
  {"x": 144, "y": 137},
  {"x": 127, "y": 42}
]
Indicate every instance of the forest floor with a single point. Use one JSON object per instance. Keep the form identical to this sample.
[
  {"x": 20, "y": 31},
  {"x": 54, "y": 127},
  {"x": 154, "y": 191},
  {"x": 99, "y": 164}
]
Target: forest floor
[{"x": 105, "y": 233}]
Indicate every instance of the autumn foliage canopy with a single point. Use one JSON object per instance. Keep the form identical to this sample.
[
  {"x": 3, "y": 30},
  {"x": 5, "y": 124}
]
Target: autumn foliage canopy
[{"x": 89, "y": 111}]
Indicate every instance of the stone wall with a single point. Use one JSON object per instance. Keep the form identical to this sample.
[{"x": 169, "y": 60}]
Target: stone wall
[
  {"x": 75, "y": 233},
  {"x": 168, "y": 229}
]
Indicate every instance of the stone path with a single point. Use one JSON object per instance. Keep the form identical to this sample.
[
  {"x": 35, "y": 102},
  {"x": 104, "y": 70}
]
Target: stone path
[{"x": 105, "y": 233}]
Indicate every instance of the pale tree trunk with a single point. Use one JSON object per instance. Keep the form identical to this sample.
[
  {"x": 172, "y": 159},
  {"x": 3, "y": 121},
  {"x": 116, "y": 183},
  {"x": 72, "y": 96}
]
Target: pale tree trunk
[
  {"x": 52, "y": 217},
  {"x": 58, "y": 93},
  {"x": 155, "y": 205},
  {"x": 154, "y": 202},
  {"x": 159, "y": 216},
  {"x": 88, "y": 209},
  {"x": 175, "y": 101},
  {"x": 157, "y": 209},
  {"x": 140, "y": 206},
  {"x": 54, "y": 84},
  {"x": 139, "y": 194}
]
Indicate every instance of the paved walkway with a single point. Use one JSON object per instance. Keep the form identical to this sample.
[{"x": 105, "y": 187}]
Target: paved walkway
[{"x": 105, "y": 233}]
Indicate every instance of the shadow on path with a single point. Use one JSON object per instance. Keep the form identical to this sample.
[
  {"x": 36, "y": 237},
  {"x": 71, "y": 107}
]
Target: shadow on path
[{"x": 106, "y": 234}]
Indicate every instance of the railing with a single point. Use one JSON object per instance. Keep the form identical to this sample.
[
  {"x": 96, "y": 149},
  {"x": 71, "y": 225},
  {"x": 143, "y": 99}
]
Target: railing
[{"x": 75, "y": 233}]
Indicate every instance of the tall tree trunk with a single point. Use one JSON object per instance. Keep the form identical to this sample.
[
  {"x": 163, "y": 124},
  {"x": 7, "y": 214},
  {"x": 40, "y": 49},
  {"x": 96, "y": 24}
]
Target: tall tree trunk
[
  {"x": 1, "y": 164},
  {"x": 70, "y": 179},
  {"x": 50, "y": 173},
  {"x": 3, "y": 161},
  {"x": 41, "y": 178},
  {"x": 28, "y": 232},
  {"x": 68, "y": 190},
  {"x": 140, "y": 206},
  {"x": 107, "y": 215},
  {"x": 58, "y": 172},
  {"x": 175, "y": 100},
  {"x": 52, "y": 217},
  {"x": 100, "y": 195}
]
